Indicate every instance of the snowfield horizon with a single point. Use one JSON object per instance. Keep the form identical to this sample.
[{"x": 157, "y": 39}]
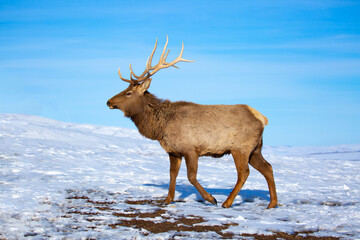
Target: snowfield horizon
[{"x": 65, "y": 180}]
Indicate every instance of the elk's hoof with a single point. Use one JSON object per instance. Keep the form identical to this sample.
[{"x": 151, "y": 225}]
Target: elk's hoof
[
  {"x": 226, "y": 205},
  {"x": 214, "y": 202},
  {"x": 167, "y": 201},
  {"x": 272, "y": 205}
]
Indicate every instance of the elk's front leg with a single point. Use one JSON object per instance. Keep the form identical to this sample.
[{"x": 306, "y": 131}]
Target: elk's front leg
[
  {"x": 192, "y": 166},
  {"x": 175, "y": 163}
]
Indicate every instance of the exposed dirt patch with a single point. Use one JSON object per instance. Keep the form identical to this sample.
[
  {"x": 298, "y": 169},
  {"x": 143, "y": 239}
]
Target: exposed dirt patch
[
  {"x": 162, "y": 221},
  {"x": 295, "y": 236},
  {"x": 156, "y": 202},
  {"x": 183, "y": 224},
  {"x": 137, "y": 214},
  {"x": 77, "y": 197}
]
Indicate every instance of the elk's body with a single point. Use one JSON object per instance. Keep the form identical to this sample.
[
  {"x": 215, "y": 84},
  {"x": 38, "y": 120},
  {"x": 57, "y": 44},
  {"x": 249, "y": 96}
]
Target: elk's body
[{"x": 190, "y": 130}]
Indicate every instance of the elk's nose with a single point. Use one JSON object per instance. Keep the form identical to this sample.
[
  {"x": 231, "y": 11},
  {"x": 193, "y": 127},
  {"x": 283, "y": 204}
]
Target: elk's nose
[{"x": 111, "y": 105}]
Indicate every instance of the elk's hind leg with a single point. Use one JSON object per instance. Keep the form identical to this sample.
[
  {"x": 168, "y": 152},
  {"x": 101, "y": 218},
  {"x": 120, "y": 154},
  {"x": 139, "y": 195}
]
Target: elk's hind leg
[
  {"x": 192, "y": 166},
  {"x": 241, "y": 160},
  {"x": 175, "y": 163},
  {"x": 260, "y": 164}
]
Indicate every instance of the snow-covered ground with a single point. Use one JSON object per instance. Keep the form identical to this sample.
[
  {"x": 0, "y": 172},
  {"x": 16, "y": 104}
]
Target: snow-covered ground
[{"x": 73, "y": 180}]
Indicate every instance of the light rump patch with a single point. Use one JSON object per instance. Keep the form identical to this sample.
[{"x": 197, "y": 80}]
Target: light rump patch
[{"x": 259, "y": 116}]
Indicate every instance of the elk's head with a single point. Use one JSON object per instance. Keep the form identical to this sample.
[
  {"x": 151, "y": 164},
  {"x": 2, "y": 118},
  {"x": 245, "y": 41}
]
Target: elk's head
[{"x": 129, "y": 100}]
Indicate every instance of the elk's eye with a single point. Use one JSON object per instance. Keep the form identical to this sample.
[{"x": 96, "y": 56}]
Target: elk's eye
[{"x": 128, "y": 93}]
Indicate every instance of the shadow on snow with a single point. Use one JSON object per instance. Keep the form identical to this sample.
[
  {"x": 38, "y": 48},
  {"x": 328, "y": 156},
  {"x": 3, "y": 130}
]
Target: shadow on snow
[{"x": 186, "y": 190}]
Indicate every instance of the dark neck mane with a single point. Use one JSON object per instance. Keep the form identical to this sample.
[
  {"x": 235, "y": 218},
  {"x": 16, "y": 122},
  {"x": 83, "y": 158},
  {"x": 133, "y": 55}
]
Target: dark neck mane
[{"x": 153, "y": 117}]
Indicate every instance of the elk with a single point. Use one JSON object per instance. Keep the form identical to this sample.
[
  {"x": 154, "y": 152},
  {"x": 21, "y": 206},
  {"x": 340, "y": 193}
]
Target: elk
[{"x": 190, "y": 130}]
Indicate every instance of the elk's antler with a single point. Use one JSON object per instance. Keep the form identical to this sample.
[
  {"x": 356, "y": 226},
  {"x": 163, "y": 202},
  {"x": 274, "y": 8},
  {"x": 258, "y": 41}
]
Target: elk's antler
[{"x": 151, "y": 70}]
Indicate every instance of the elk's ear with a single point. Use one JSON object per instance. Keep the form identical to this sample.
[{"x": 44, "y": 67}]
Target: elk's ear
[{"x": 144, "y": 85}]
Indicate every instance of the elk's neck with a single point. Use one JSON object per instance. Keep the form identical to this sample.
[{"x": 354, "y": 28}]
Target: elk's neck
[{"x": 152, "y": 117}]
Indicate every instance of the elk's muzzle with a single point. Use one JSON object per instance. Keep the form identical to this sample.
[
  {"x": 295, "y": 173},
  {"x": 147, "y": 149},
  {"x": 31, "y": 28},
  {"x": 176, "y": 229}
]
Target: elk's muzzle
[{"x": 110, "y": 105}]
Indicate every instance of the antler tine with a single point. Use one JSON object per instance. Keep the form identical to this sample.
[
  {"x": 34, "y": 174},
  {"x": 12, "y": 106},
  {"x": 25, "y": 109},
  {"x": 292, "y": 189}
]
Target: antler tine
[
  {"x": 148, "y": 63},
  {"x": 132, "y": 73},
  {"x": 163, "y": 52},
  {"x": 181, "y": 53},
  {"x": 166, "y": 55},
  {"x": 153, "y": 51},
  {"x": 179, "y": 58},
  {"x": 165, "y": 63},
  {"x": 124, "y": 79}
]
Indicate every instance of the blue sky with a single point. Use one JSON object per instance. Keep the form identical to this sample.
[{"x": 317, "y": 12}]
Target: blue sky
[{"x": 297, "y": 62}]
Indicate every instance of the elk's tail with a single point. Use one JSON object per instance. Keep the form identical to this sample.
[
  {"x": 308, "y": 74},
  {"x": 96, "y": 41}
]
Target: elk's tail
[{"x": 259, "y": 116}]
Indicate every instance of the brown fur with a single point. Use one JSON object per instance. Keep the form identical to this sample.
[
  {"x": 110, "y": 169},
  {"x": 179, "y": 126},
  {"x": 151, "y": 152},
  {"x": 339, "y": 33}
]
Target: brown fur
[{"x": 190, "y": 130}]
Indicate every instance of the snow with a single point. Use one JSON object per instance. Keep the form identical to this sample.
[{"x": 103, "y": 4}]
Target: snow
[{"x": 64, "y": 180}]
